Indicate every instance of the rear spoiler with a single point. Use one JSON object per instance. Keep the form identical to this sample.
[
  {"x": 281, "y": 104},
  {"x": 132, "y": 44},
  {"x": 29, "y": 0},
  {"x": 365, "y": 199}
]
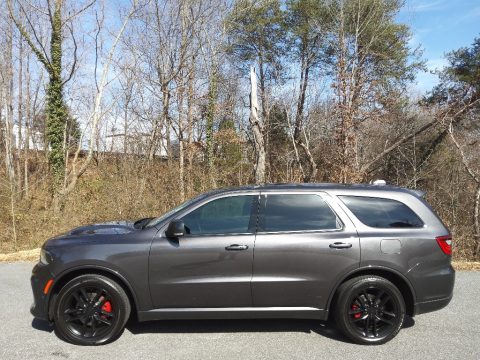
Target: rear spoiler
[{"x": 417, "y": 192}]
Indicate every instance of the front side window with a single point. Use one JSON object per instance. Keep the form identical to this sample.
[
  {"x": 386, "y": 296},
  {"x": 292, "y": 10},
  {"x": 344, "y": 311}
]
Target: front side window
[
  {"x": 296, "y": 212},
  {"x": 229, "y": 215},
  {"x": 382, "y": 213}
]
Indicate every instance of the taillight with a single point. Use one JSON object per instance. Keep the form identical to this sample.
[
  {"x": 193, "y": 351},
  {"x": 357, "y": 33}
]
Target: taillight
[{"x": 445, "y": 243}]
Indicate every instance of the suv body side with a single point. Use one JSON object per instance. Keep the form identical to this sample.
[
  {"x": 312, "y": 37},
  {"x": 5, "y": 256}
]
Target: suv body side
[{"x": 300, "y": 283}]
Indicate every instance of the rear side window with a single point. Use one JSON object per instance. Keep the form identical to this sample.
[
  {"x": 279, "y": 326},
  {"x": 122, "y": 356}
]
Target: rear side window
[
  {"x": 382, "y": 213},
  {"x": 296, "y": 213}
]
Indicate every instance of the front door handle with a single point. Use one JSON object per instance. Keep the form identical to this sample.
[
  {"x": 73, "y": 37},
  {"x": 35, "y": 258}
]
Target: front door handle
[
  {"x": 236, "y": 247},
  {"x": 340, "y": 245}
]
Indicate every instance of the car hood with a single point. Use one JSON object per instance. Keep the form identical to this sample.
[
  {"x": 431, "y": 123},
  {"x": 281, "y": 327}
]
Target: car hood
[{"x": 107, "y": 228}]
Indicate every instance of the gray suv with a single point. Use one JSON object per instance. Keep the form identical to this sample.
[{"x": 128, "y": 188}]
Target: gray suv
[{"x": 364, "y": 255}]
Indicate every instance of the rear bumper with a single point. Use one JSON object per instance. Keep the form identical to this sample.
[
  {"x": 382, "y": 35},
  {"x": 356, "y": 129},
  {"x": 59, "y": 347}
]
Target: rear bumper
[
  {"x": 433, "y": 305},
  {"x": 40, "y": 276},
  {"x": 433, "y": 286}
]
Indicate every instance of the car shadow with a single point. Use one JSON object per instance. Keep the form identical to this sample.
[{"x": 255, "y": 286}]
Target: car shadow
[
  {"x": 235, "y": 326},
  {"x": 323, "y": 328}
]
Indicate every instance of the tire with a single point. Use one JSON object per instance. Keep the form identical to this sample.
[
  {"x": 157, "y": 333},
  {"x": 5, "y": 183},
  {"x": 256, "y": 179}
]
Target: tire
[
  {"x": 91, "y": 310},
  {"x": 369, "y": 310}
]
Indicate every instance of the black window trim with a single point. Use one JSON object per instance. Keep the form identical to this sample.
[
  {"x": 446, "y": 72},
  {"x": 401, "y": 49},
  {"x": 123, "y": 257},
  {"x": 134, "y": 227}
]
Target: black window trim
[
  {"x": 319, "y": 194},
  {"x": 256, "y": 202},
  {"x": 396, "y": 229}
]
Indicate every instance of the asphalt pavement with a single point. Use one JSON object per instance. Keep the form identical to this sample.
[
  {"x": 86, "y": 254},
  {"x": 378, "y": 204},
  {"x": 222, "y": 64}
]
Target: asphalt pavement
[{"x": 451, "y": 333}]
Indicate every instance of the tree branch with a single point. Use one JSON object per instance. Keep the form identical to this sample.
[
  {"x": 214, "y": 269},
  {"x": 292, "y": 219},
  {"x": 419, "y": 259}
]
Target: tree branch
[
  {"x": 470, "y": 171},
  {"x": 42, "y": 57},
  {"x": 423, "y": 128},
  {"x": 74, "y": 65},
  {"x": 79, "y": 11}
]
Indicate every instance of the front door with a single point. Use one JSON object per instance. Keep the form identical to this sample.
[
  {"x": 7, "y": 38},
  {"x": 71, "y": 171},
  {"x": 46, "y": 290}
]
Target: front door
[
  {"x": 302, "y": 248},
  {"x": 211, "y": 265}
]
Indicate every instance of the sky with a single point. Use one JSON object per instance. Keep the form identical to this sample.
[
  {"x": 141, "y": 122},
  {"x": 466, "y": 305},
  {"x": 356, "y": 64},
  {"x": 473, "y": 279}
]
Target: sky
[{"x": 440, "y": 26}]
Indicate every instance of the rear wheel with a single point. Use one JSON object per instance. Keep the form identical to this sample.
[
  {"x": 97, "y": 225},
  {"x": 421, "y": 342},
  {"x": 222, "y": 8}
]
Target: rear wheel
[
  {"x": 91, "y": 310},
  {"x": 369, "y": 310}
]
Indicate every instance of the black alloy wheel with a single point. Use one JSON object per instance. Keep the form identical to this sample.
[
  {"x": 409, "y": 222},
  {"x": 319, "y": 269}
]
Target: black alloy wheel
[
  {"x": 370, "y": 310},
  {"x": 91, "y": 310}
]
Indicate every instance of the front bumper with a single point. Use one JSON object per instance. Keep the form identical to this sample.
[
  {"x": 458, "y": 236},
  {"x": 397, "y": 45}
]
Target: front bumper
[{"x": 40, "y": 276}]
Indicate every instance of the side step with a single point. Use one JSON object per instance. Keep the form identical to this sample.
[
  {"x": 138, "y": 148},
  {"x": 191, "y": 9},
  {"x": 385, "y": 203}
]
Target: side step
[{"x": 233, "y": 313}]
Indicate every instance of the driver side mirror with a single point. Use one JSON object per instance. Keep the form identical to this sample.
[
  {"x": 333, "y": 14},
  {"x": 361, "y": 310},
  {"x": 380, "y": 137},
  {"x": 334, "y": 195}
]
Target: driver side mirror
[{"x": 175, "y": 229}]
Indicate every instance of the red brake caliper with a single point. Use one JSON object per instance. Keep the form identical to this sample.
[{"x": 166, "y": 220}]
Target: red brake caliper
[
  {"x": 357, "y": 315},
  {"x": 107, "y": 307}
]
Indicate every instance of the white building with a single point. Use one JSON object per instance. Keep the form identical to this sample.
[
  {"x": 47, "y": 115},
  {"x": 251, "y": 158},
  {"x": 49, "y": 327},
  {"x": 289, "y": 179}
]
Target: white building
[
  {"x": 132, "y": 143},
  {"x": 35, "y": 138}
]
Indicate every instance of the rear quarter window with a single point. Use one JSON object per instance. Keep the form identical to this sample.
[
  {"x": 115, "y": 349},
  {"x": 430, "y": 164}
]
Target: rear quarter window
[{"x": 381, "y": 212}]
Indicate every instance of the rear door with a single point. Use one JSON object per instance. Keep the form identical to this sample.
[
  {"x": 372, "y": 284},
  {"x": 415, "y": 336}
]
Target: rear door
[{"x": 302, "y": 248}]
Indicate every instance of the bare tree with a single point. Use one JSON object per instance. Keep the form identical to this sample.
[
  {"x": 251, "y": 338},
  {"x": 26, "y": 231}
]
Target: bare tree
[
  {"x": 7, "y": 104},
  {"x": 52, "y": 59},
  {"x": 475, "y": 176},
  {"x": 97, "y": 114}
]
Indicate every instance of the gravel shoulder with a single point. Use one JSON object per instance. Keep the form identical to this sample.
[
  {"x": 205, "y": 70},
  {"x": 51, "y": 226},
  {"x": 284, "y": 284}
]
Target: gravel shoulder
[{"x": 451, "y": 333}]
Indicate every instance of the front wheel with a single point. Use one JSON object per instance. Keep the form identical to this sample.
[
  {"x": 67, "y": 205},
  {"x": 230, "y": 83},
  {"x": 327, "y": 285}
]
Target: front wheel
[
  {"x": 91, "y": 310},
  {"x": 369, "y": 310}
]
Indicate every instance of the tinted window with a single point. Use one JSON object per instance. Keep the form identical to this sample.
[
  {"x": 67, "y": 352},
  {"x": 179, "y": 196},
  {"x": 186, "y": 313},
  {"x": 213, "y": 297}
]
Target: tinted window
[
  {"x": 222, "y": 216},
  {"x": 296, "y": 213},
  {"x": 382, "y": 213}
]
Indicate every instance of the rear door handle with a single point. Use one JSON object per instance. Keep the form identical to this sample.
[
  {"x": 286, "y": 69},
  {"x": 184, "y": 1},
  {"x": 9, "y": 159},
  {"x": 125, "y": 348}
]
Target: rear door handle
[
  {"x": 340, "y": 245},
  {"x": 236, "y": 247}
]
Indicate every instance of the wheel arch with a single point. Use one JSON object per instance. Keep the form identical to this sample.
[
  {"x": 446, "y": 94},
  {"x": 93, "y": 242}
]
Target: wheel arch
[
  {"x": 95, "y": 270},
  {"x": 400, "y": 281}
]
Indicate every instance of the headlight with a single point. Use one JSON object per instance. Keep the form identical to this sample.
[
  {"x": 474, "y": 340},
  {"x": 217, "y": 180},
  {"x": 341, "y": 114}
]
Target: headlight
[{"x": 45, "y": 256}]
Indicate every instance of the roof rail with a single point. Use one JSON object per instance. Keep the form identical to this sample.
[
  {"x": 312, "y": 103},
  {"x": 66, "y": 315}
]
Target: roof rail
[{"x": 379, "y": 182}]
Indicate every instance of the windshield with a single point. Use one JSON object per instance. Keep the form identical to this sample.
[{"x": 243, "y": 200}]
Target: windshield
[{"x": 158, "y": 220}]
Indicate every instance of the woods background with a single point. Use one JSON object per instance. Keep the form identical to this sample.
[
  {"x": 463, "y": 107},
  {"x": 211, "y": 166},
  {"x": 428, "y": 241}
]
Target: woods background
[{"x": 123, "y": 109}]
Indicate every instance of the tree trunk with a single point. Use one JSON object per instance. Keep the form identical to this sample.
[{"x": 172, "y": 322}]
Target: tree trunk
[
  {"x": 166, "y": 121},
  {"x": 125, "y": 122},
  {"x": 212, "y": 99},
  {"x": 9, "y": 113},
  {"x": 258, "y": 130},
  {"x": 265, "y": 109},
  {"x": 190, "y": 105},
  {"x": 56, "y": 111},
  {"x": 345, "y": 131},
  {"x": 181, "y": 148},
  {"x": 476, "y": 221},
  {"x": 181, "y": 173},
  {"x": 8, "y": 82},
  {"x": 20, "y": 142},
  {"x": 28, "y": 121},
  {"x": 304, "y": 73}
]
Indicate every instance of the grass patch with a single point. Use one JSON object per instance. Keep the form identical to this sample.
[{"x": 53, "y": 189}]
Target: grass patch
[
  {"x": 466, "y": 265},
  {"x": 24, "y": 255}
]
